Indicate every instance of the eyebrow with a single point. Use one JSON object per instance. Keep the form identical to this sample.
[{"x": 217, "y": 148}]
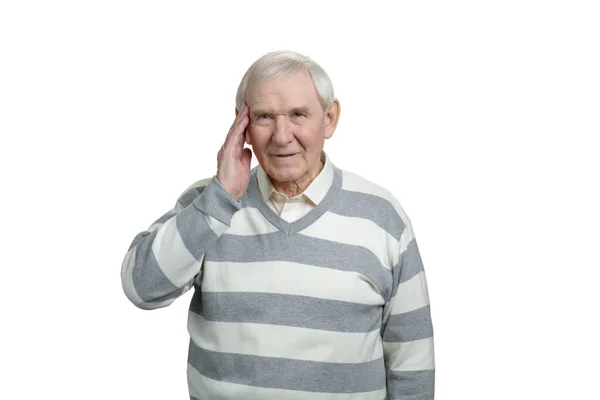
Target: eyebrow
[{"x": 256, "y": 112}]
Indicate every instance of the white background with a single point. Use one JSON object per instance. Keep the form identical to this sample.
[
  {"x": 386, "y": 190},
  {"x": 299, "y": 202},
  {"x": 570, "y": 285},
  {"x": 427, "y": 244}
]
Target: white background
[{"x": 481, "y": 117}]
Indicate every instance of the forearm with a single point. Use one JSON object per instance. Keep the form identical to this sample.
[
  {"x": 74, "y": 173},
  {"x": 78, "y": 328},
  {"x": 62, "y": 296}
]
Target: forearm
[
  {"x": 163, "y": 261},
  {"x": 409, "y": 353},
  {"x": 408, "y": 334}
]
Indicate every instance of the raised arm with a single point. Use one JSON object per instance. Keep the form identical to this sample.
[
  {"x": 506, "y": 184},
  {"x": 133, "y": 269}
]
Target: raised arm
[
  {"x": 163, "y": 261},
  {"x": 408, "y": 331}
]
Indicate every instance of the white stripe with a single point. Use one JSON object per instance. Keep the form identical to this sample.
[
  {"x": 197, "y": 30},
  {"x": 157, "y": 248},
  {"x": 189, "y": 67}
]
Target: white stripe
[
  {"x": 355, "y": 183},
  {"x": 248, "y": 221},
  {"x": 217, "y": 226},
  {"x": 155, "y": 226},
  {"x": 172, "y": 255},
  {"x": 411, "y": 295},
  {"x": 202, "y": 387},
  {"x": 197, "y": 184},
  {"x": 354, "y": 231},
  {"x": 285, "y": 341},
  {"x": 416, "y": 355},
  {"x": 290, "y": 278},
  {"x": 129, "y": 289}
]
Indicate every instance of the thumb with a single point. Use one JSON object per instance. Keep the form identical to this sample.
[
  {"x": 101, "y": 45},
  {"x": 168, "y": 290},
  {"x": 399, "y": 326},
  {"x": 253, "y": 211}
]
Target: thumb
[{"x": 246, "y": 157}]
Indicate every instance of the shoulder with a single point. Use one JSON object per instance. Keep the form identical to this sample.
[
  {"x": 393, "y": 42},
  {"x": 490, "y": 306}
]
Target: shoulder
[
  {"x": 354, "y": 183},
  {"x": 362, "y": 198},
  {"x": 193, "y": 191}
]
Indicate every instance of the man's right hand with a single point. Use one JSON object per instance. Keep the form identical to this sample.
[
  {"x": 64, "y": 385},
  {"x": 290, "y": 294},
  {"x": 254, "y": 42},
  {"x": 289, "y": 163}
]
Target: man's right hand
[{"x": 233, "y": 160}]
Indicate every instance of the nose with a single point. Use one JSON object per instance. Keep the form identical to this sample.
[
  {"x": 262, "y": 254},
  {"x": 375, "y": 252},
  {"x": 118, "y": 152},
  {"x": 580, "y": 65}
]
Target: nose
[{"x": 282, "y": 132}]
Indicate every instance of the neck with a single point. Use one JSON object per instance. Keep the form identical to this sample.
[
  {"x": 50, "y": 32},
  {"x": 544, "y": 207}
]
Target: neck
[{"x": 294, "y": 188}]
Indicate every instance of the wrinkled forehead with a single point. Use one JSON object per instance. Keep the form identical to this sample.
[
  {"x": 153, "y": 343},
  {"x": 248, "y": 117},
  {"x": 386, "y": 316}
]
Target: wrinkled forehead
[{"x": 283, "y": 91}]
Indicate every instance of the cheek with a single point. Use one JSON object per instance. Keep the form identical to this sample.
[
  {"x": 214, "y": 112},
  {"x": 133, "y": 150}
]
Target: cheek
[
  {"x": 255, "y": 136},
  {"x": 310, "y": 136},
  {"x": 251, "y": 132}
]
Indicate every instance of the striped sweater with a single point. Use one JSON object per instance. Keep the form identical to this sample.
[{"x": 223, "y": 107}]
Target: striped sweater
[{"x": 331, "y": 306}]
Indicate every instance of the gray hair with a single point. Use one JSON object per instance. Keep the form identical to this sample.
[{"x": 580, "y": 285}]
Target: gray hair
[{"x": 286, "y": 62}]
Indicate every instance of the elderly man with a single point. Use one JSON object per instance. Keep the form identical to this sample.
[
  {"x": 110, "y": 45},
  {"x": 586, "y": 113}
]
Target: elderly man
[{"x": 308, "y": 282}]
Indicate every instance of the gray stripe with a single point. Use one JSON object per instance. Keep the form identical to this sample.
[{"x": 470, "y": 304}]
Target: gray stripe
[
  {"x": 409, "y": 265},
  {"x": 194, "y": 398},
  {"x": 287, "y": 310},
  {"x": 371, "y": 207},
  {"x": 188, "y": 197},
  {"x": 217, "y": 202},
  {"x": 305, "y": 250},
  {"x": 171, "y": 295},
  {"x": 413, "y": 325},
  {"x": 281, "y": 373},
  {"x": 413, "y": 385},
  {"x": 149, "y": 281},
  {"x": 196, "y": 234},
  {"x": 164, "y": 218},
  {"x": 196, "y": 303},
  {"x": 137, "y": 238},
  {"x": 410, "y": 261},
  {"x": 167, "y": 216}
]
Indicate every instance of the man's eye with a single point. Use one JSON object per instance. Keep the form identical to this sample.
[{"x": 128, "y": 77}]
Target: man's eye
[
  {"x": 298, "y": 114},
  {"x": 263, "y": 116}
]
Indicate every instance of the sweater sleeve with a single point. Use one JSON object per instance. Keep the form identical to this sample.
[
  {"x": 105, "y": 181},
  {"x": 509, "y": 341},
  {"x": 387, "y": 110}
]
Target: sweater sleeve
[
  {"x": 407, "y": 330},
  {"x": 164, "y": 261}
]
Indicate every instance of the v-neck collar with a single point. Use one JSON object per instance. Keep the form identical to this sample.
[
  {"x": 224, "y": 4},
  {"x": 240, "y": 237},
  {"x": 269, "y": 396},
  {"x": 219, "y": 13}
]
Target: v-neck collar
[{"x": 289, "y": 228}]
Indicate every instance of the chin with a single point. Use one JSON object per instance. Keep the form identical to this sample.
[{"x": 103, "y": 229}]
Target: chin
[
  {"x": 284, "y": 174},
  {"x": 283, "y": 177}
]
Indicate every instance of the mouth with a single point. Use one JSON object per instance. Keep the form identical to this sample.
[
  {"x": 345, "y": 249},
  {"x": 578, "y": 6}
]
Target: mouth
[{"x": 283, "y": 155}]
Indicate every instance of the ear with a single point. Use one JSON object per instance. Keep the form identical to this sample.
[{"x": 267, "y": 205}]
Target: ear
[{"x": 332, "y": 117}]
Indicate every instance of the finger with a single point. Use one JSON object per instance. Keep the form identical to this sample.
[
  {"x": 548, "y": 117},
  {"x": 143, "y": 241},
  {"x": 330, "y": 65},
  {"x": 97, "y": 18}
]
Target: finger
[
  {"x": 240, "y": 126},
  {"x": 246, "y": 158},
  {"x": 238, "y": 130},
  {"x": 242, "y": 118},
  {"x": 235, "y": 141},
  {"x": 240, "y": 139},
  {"x": 242, "y": 112}
]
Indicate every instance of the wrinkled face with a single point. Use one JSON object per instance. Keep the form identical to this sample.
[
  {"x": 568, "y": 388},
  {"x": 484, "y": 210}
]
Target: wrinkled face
[{"x": 288, "y": 126}]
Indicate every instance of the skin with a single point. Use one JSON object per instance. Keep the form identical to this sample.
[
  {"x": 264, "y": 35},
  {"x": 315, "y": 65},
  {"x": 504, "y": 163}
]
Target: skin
[{"x": 282, "y": 115}]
